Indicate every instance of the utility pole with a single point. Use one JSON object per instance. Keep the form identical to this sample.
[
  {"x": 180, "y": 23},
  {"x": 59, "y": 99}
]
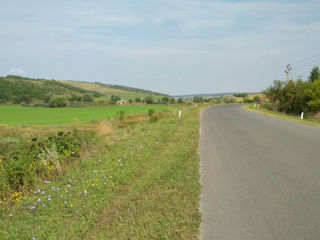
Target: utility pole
[{"x": 288, "y": 72}]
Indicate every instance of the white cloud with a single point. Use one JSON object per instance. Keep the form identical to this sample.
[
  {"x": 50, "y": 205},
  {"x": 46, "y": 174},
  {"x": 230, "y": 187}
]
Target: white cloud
[
  {"x": 16, "y": 71},
  {"x": 117, "y": 20},
  {"x": 209, "y": 23}
]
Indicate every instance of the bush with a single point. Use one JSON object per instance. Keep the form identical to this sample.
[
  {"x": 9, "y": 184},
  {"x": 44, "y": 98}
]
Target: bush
[
  {"x": 75, "y": 98},
  {"x": 229, "y": 99},
  {"x": 268, "y": 106},
  {"x": 114, "y": 99},
  {"x": 256, "y": 99},
  {"x": 153, "y": 119},
  {"x": 87, "y": 98},
  {"x": 22, "y": 163},
  {"x": 218, "y": 100},
  {"x": 57, "y": 101},
  {"x": 246, "y": 99},
  {"x": 149, "y": 100},
  {"x": 197, "y": 99},
  {"x": 151, "y": 112},
  {"x": 172, "y": 101},
  {"x": 121, "y": 115},
  {"x": 180, "y": 101},
  {"x": 165, "y": 100},
  {"x": 137, "y": 99}
]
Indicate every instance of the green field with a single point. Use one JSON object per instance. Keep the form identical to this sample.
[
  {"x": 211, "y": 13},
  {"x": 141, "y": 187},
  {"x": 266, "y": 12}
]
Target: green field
[{"x": 17, "y": 115}]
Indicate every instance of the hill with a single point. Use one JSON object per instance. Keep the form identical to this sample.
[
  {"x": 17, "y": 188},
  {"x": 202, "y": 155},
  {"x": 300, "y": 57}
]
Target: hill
[{"x": 22, "y": 90}]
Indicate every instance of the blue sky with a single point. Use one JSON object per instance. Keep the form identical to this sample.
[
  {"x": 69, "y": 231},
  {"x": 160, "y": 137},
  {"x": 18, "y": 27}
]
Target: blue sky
[{"x": 171, "y": 46}]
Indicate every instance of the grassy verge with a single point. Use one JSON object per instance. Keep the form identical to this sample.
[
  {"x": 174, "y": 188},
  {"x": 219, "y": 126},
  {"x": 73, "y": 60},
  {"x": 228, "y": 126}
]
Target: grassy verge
[
  {"x": 281, "y": 115},
  {"x": 145, "y": 186}
]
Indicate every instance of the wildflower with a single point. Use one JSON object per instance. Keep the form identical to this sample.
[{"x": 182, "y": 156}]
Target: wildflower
[
  {"x": 65, "y": 202},
  {"x": 39, "y": 200},
  {"x": 39, "y": 190},
  {"x": 43, "y": 192},
  {"x": 10, "y": 215},
  {"x": 33, "y": 208},
  {"x": 47, "y": 182},
  {"x": 33, "y": 238}
]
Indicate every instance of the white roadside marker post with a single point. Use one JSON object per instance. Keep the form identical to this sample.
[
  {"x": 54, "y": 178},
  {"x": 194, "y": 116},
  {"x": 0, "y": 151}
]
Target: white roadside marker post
[
  {"x": 302, "y": 115},
  {"x": 180, "y": 114}
]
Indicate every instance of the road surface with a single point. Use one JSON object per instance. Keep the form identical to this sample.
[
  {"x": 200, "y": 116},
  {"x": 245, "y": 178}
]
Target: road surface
[{"x": 260, "y": 176}]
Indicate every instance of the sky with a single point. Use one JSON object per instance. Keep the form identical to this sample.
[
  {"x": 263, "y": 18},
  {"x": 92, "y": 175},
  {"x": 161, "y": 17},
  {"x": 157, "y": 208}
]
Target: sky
[{"x": 169, "y": 46}]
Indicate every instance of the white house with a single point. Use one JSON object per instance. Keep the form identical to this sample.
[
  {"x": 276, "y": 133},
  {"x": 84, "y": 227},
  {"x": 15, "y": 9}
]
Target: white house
[{"x": 122, "y": 101}]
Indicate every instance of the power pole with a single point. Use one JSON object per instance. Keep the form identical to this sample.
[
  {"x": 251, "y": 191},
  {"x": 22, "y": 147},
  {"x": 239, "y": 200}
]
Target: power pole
[{"x": 289, "y": 72}]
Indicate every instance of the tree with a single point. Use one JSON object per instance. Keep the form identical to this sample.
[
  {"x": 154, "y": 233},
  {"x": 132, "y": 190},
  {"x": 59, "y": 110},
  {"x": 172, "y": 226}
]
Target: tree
[
  {"x": 114, "y": 99},
  {"x": 314, "y": 74},
  {"x": 172, "y": 101},
  {"x": 197, "y": 99},
  {"x": 87, "y": 98},
  {"x": 314, "y": 94},
  {"x": 149, "y": 100},
  {"x": 75, "y": 98},
  {"x": 57, "y": 101},
  {"x": 256, "y": 99},
  {"x": 246, "y": 99},
  {"x": 165, "y": 100},
  {"x": 229, "y": 99},
  {"x": 180, "y": 101},
  {"x": 137, "y": 99}
]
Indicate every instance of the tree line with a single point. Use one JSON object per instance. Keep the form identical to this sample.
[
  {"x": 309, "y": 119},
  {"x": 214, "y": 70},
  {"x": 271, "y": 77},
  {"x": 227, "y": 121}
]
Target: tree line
[{"x": 295, "y": 96}]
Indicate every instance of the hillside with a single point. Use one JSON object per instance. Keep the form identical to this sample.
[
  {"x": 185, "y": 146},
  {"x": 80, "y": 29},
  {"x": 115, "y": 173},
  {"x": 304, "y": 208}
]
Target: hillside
[{"x": 22, "y": 90}]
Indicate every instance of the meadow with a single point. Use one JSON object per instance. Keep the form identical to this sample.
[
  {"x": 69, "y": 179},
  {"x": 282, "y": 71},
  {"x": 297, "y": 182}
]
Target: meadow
[{"x": 17, "y": 115}]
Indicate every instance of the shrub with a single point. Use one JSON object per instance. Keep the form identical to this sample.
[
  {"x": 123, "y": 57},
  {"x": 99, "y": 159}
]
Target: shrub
[
  {"x": 121, "y": 115},
  {"x": 268, "y": 106},
  {"x": 197, "y": 99},
  {"x": 246, "y": 99},
  {"x": 180, "y": 101},
  {"x": 149, "y": 100},
  {"x": 151, "y": 112},
  {"x": 153, "y": 119},
  {"x": 165, "y": 100},
  {"x": 23, "y": 163},
  {"x": 114, "y": 99},
  {"x": 87, "y": 98},
  {"x": 256, "y": 99},
  {"x": 137, "y": 99},
  {"x": 57, "y": 101},
  {"x": 229, "y": 99}
]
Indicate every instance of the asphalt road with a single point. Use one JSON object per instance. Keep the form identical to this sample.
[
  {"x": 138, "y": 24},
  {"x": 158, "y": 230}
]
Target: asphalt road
[{"x": 260, "y": 176}]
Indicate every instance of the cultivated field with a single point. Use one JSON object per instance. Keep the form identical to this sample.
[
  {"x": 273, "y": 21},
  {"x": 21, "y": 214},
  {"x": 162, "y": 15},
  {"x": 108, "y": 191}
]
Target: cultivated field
[{"x": 17, "y": 115}]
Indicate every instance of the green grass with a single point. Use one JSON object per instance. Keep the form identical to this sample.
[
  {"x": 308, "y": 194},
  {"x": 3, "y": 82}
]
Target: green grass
[
  {"x": 144, "y": 187},
  {"x": 17, "y": 115},
  {"x": 283, "y": 116}
]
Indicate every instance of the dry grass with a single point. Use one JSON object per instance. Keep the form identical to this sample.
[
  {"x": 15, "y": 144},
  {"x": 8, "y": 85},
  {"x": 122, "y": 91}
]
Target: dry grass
[{"x": 94, "y": 87}]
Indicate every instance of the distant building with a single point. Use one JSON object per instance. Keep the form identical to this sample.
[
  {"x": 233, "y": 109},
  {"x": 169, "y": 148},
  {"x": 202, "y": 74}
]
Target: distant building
[{"x": 122, "y": 101}]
